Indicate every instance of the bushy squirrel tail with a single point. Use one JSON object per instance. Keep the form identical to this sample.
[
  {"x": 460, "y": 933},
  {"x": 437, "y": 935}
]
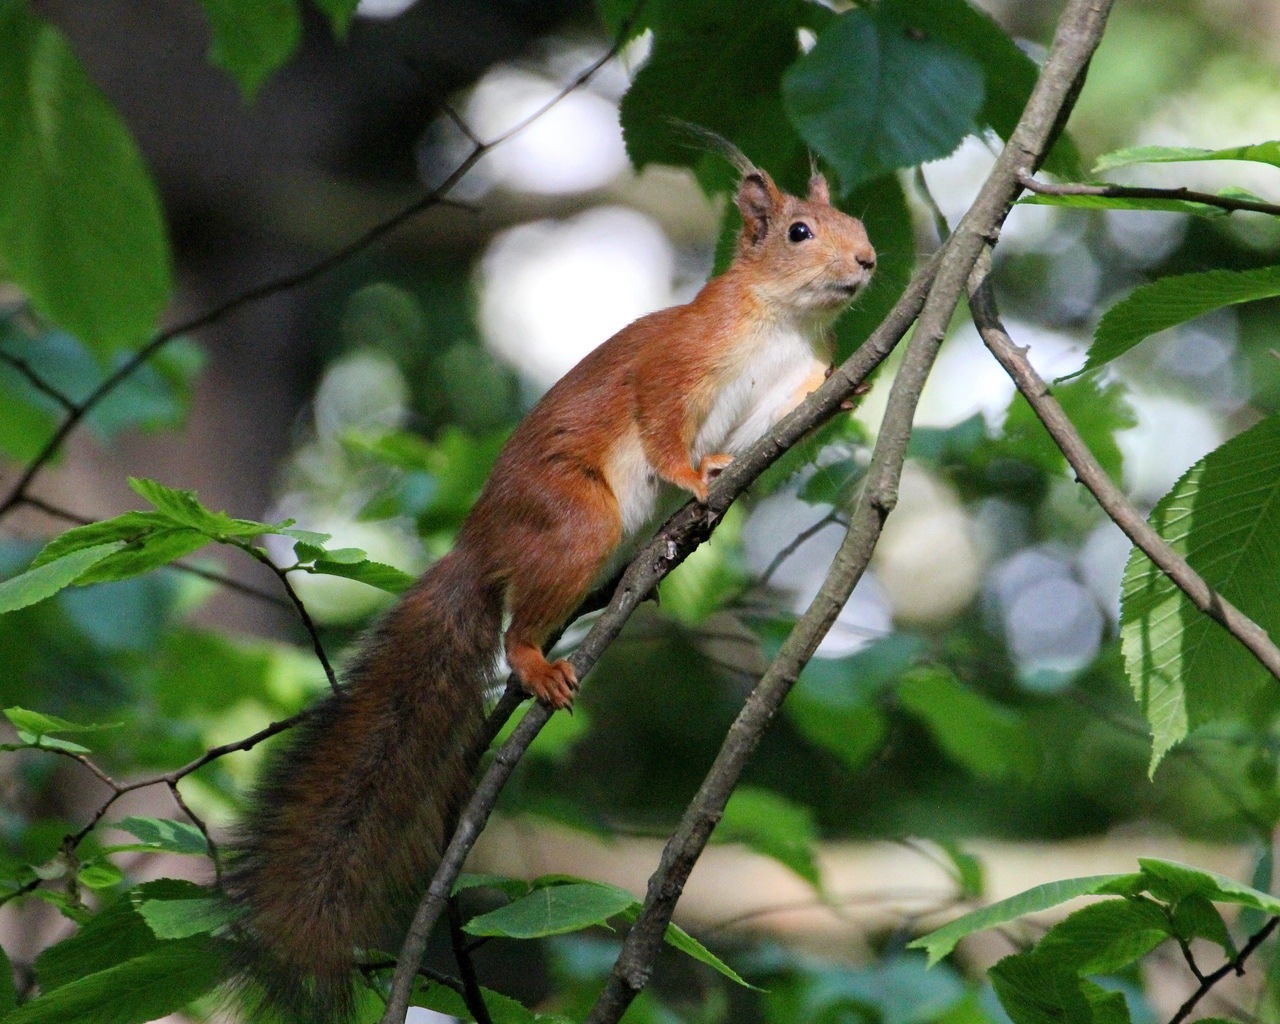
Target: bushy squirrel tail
[{"x": 349, "y": 817}]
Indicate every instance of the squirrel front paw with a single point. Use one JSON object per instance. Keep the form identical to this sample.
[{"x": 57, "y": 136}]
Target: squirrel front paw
[{"x": 709, "y": 468}]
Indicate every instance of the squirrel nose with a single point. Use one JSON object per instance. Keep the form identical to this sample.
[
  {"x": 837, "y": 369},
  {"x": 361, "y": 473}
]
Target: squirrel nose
[{"x": 866, "y": 260}]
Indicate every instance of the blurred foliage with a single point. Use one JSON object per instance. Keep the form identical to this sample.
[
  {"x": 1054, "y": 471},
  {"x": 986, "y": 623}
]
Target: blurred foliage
[{"x": 936, "y": 728}]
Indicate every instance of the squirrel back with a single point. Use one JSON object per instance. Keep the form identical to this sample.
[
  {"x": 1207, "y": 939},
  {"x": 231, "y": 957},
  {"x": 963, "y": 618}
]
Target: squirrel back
[{"x": 344, "y": 832}]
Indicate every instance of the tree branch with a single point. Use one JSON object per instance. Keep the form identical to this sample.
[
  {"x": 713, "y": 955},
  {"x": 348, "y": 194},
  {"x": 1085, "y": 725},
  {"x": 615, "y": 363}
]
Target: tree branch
[
  {"x": 1079, "y": 32},
  {"x": 1185, "y": 195},
  {"x": 1236, "y": 966},
  {"x": 1090, "y": 473},
  {"x": 679, "y": 536}
]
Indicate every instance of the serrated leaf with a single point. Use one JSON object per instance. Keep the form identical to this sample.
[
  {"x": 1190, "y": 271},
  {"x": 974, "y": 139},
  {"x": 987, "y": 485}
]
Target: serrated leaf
[
  {"x": 375, "y": 574},
  {"x": 252, "y": 38},
  {"x": 553, "y": 910},
  {"x": 1033, "y": 989},
  {"x": 184, "y": 509},
  {"x": 1195, "y": 917},
  {"x": 1087, "y": 202},
  {"x": 989, "y": 740},
  {"x": 46, "y": 580},
  {"x": 502, "y": 1009},
  {"x": 1098, "y": 411},
  {"x": 166, "y": 834},
  {"x": 1171, "y": 301},
  {"x": 942, "y": 941},
  {"x": 81, "y": 229},
  {"x": 112, "y": 936},
  {"x": 180, "y": 919},
  {"x": 159, "y": 982},
  {"x": 1170, "y": 881},
  {"x": 911, "y": 99},
  {"x": 1105, "y": 937},
  {"x": 1261, "y": 152},
  {"x": 1223, "y": 516},
  {"x": 129, "y": 528},
  {"x": 770, "y": 824}
]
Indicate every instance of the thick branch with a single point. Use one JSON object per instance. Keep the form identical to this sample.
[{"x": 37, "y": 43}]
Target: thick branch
[
  {"x": 681, "y": 534},
  {"x": 1184, "y": 195},
  {"x": 1090, "y": 473},
  {"x": 1077, "y": 37}
]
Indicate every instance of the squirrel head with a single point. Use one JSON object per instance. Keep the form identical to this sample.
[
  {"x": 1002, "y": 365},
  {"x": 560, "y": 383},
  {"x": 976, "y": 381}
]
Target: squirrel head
[{"x": 801, "y": 255}]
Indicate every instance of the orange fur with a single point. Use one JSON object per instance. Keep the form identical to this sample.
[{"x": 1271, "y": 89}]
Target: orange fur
[{"x": 344, "y": 830}]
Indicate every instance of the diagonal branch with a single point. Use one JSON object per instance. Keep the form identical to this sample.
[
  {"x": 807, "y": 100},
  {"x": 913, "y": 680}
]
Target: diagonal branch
[
  {"x": 681, "y": 534},
  {"x": 1094, "y": 477},
  {"x": 434, "y": 197},
  {"x": 1079, "y": 32},
  {"x": 1234, "y": 965}
]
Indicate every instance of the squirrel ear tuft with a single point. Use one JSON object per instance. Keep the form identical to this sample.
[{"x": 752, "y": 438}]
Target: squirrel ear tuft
[
  {"x": 819, "y": 191},
  {"x": 758, "y": 200}
]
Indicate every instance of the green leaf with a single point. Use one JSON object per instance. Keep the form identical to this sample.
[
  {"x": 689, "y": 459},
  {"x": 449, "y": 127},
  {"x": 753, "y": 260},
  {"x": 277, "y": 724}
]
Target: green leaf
[
  {"x": 184, "y": 509},
  {"x": 1224, "y": 517},
  {"x": 1261, "y": 152},
  {"x": 1106, "y": 937},
  {"x": 130, "y": 528},
  {"x": 774, "y": 826},
  {"x": 41, "y": 724},
  {"x": 1194, "y": 917},
  {"x": 717, "y": 64},
  {"x": 1170, "y": 881},
  {"x": 81, "y": 229},
  {"x": 677, "y": 938},
  {"x": 46, "y": 580},
  {"x": 99, "y": 874},
  {"x": 1175, "y": 300},
  {"x": 502, "y": 1009},
  {"x": 989, "y": 740},
  {"x": 1098, "y": 411},
  {"x": 166, "y": 834},
  {"x": 512, "y": 888},
  {"x": 114, "y": 935},
  {"x": 180, "y": 919},
  {"x": 553, "y": 910},
  {"x": 376, "y": 574},
  {"x": 252, "y": 38},
  {"x": 833, "y": 703},
  {"x": 876, "y": 94},
  {"x": 159, "y": 982},
  {"x": 942, "y": 941},
  {"x": 1034, "y": 989}
]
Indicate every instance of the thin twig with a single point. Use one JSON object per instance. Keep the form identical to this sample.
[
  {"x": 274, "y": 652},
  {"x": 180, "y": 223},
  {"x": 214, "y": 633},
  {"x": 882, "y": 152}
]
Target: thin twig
[
  {"x": 204, "y": 831},
  {"x": 307, "y": 622},
  {"x": 1090, "y": 473},
  {"x": 1079, "y": 32},
  {"x": 1235, "y": 965},
  {"x": 472, "y": 994},
  {"x": 37, "y": 381},
  {"x": 1185, "y": 195},
  {"x": 433, "y": 197},
  {"x": 832, "y": 517}
]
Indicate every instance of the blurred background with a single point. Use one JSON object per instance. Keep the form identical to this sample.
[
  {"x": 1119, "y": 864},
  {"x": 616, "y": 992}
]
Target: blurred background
[{"x": 369, "y": 405}]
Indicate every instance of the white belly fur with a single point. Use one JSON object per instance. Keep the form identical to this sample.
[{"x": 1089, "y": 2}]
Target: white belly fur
[
  {"x": 632, "y": 480},
  {"x": 773, "y": 373}
]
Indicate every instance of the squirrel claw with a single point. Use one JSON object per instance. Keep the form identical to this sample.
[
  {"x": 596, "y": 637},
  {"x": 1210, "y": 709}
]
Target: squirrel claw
[{"x": 555, "y": 686}]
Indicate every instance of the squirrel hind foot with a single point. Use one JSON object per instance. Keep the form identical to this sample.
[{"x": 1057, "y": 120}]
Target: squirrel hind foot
[{"x": 553, "y": 683}]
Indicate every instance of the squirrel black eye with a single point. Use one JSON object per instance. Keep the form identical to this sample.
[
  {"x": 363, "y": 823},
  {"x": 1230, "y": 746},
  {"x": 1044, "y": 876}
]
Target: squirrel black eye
[{"x": 799, "y": 231}]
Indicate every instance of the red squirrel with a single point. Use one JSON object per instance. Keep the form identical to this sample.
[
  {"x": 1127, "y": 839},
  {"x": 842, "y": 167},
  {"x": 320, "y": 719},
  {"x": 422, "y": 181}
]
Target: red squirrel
[{"x": 343, "y": 832}]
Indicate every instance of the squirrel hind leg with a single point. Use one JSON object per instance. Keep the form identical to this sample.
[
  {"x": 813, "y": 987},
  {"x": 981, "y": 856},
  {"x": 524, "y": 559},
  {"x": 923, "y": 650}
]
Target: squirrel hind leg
[{"x": 550, "y": 579}]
